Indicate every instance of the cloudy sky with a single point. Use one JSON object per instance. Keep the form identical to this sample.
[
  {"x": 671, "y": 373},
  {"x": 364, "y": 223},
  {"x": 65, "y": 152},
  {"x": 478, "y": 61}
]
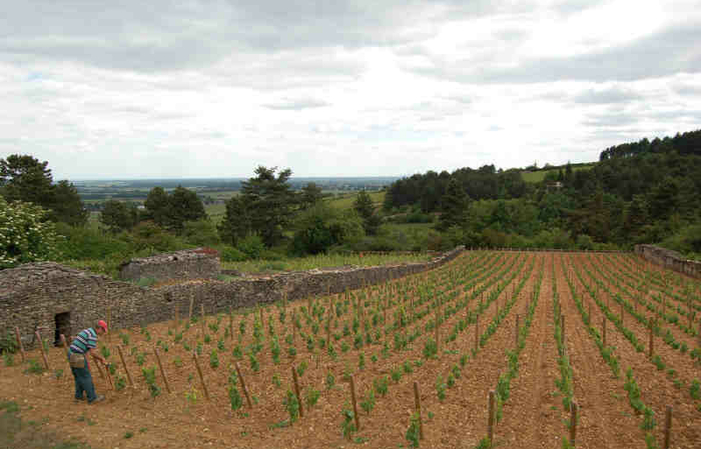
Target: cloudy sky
[{"x": 146, "y": 89}]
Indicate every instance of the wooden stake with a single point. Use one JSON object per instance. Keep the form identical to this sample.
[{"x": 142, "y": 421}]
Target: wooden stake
[
  {"x": 19, "y": 343},
  {"x": 192, "y": 303},
  {"x": 65, "y": 346},
  {"x": 199, "y": 371},
  {"x": 355, "y": 404},
  {"x": 109, "y": 376},
  {"x": 477, "y": 325},
  {"x": 126, "y": 369},
  {"x": 299, "y": 397},
  {"x": 573, "y": 423},
  {"x": 177, "y": 315},
  {"x": 603, "y": 327},
  {"x": 109, "y": 322},
  {"x": 516, "y": 336},
  {"x": 231, "y": 325},
  {"x": 622, "y": 312},
  {"x": 652, "y": 340},
  {"x": 417, "y": 405},
  {"x": 160, "y": 366},
  {"x": 43, "y": 353},
  {"x": 490, "y": 419},
  {"x": 203, "y": 320},
  {"x": 667, "y": 427},
  {"x": 243, "y": 385}
]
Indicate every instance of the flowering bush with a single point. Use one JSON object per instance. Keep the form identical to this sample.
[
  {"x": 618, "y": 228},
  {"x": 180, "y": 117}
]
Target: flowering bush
[{"x": 24, "y": 237}]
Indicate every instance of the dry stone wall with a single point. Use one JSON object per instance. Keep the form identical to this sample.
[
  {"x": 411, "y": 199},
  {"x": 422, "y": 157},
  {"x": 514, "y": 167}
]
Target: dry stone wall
[
  {"x": 42, "y": 295},
  {"x": 669, "y": 259},
  {"x": 189, "y": 264}
]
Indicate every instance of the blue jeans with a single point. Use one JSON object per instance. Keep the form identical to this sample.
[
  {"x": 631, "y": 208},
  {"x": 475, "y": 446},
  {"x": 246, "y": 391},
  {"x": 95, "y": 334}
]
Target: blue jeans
[{"x": 83, "y": 383}]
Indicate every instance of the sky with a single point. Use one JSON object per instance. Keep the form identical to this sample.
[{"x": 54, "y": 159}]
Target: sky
[{"x": 196, "y": 89}]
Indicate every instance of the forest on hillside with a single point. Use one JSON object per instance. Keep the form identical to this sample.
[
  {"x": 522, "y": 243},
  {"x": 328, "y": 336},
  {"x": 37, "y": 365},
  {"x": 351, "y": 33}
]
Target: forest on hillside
[{"x": 639, "y": 192}]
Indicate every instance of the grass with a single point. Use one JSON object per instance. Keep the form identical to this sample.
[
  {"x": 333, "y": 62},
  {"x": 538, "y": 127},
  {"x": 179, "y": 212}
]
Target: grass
[
  {"x": 538, "y": 176},
  {"x": 324, "y": 261},
  {"x": 18, "y": 435},
  {"x": 346, "y": 201}
]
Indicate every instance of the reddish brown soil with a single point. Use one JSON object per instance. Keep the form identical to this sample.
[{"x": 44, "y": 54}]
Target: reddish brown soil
[{"x": 533, "y": 416}]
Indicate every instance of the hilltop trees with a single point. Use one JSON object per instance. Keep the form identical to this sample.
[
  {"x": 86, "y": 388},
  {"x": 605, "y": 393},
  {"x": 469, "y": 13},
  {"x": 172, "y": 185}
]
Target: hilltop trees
[
  {"x": 454, "y": 206},
  {"x": 24, "y": 178},
  {"x": 364, "y": 207},
  {"x": 265, "y": 207},
  {"x": 172, "y": 211}
]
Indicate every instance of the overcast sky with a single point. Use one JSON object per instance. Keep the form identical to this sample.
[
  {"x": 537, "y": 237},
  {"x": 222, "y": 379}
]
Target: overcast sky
[{"x": 153, "y": 89}]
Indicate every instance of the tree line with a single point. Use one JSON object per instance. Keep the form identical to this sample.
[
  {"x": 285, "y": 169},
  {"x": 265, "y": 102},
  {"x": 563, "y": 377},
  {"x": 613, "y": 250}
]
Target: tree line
[{"x": 640, "y": 192}]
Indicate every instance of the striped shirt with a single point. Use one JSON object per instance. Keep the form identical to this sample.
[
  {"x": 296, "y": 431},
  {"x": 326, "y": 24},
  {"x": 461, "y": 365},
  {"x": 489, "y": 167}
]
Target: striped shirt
[{"x": 86, "y": 340}]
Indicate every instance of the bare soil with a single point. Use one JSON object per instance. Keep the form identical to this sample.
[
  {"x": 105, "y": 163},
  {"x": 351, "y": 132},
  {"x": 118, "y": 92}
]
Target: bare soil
[{"x": 533, "y": 415}]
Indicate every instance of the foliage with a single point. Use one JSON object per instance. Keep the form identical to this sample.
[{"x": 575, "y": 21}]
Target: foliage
[
  {"x": 413, "y": 432},
  {"x": 24, "y": 235},
  {"x": 291, "y": 404},
  {"x": 119, "y": 216},
  {"x": 263, "y": 208},
  {"x": 150, "y": 379}
]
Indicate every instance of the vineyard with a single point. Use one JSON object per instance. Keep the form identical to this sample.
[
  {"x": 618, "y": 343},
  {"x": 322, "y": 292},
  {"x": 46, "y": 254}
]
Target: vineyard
[{"x": 536, "y": 349}]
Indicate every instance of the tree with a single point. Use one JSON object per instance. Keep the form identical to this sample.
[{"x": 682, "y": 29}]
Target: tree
[
  {"x": 311, "y": 193},
  {"x": 184, "y": 205},
  {"x": 119, "y": 216},
  {"x": 25, "y": 236},
  {"x": 454, "y": 206},
  {"x": 363, "y": 205},
  {"x": 320, "y": 227},
  {"x": 236, "y": 224},
  {"x": 268, "y": 199},
  {"x": 156, "y": 205},
  {"x": 67, "y": 206},
  {"x": 24, "y": 178}
]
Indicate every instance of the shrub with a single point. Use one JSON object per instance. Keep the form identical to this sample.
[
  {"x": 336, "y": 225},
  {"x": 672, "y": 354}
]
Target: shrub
[{"x": 231, "y": 254}]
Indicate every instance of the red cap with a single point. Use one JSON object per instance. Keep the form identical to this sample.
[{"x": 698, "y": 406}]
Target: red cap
[{"x": 103, "y": 325}]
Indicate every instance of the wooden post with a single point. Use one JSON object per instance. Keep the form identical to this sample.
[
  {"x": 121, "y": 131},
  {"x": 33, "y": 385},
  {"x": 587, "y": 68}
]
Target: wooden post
[
  {"x": 126, "y": 369},
  {"x": 192, "y": 303},
  {"x": 19, "y": 343},
  {"x": 109, "y": 376},
  {"x": 355, "y": 404},
  {"x": 438, "y": 344},
  {"x": 231, "y": 325},
  {"x": 417, "y": 404},
  {"x": 477, "y": 325},
  {"x": 562, "y": 328},
  {"x": 603, "y": 327},
  {"x": 516, "y": 336},
  {"x": 160, "y": 366},
  {"x": 243, "y": 385},
  {"x": 299, "y": 397},
  {"x": 43, "y": 353},
  {"x": 199, "y": 371},
  {"x": 65, "y": 347},
  {"x": 99, "y": 370},
  {"x": 573, "y": 423},
  {"x": 177, "y": 315},
  {"x": 109, "y": 321},
  {"x": 652, "y": 340},
  {"x": 490, "y": 419},
  {"x": 622, "y": 311},
  {"x": 667, "y": 427},
  {"x": 203, "y": 323}
]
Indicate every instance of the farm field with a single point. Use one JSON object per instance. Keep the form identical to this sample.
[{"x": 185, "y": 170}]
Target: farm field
[{"x": 540, "y": 329}]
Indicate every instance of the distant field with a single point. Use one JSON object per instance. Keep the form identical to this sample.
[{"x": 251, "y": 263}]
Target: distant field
[
  {"x": 346, "y": 201},
  {"x": 537, "y": 176}
]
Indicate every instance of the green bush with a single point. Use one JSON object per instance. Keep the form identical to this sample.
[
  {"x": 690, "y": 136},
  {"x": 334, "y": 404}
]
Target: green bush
[
  {"x": 231, "y": 254},
  {"x": 252, "y": 246}
]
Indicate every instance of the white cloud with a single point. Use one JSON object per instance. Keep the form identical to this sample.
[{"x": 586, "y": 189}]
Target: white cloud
[{"x": 215, "y": 88}]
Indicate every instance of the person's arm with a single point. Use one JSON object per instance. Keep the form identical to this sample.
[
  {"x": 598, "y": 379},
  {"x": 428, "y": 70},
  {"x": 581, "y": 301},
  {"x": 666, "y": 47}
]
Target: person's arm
[{"x": 96, "y": 356}]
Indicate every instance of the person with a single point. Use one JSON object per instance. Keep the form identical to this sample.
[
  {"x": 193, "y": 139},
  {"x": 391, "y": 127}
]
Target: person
[{"x": 85, "y": 343}]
